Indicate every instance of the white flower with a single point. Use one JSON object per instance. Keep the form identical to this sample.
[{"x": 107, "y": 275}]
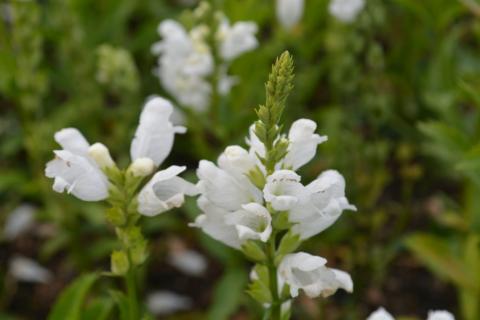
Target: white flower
[
  {"x": 188, "y": 261},
  {"x": 236, "y": 39},
  {"x": 18, "y": 221},
  {"x": 346, "y": 10},
  {"x": 166, "y": 302},
  {"x": 155, "y": 133},
  {"x": 74, "y": 170},
  {"x": 164, "y": 191},
  {"x": 321, "y": 204},
  {"x": 253, "y": 221},
  {"x": 380, "y": 314},
  {"x": 309, "y": 273},
  {"x": 225, "y": 189},
  {"x": 28, "y": 270},
  {"x": 303, "y": 143},
  {"x": 440, "y": 315},
  {"x": 289, "y": 12},
  {"x": 283, "y": 190}
]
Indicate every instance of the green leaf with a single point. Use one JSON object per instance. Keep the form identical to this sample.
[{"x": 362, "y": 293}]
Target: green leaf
[
  {"x": 259, "y": 288},
  {"x": 253, "y": 251},
  {"x": 69, "y": 304},
  {"x": 100, "y": 309},
  {"x": 121, "y": 301},
  {"x": 435, "y": 254},
  {"x": 228, "y": 294}
]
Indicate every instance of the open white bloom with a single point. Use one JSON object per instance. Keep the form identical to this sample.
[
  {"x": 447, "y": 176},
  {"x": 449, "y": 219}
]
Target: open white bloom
[
  {"x": 236, "y": 39},
  {"x": 380, "y": 314},
  {"x": 28, "y": 270},
  {"x": 440, "y": 315},
  {"x": 303, "y": 271},
  {"x": 167, "y": 302},
  {"x": 303, "y": 143},
  {"x": 289, "y": 12},
  {"x": 253, "y": 221},
  {"x": 155, "y": 133},
  {"x": 346, "y": 10},
  {"x": 186, "y": 63},
  {"x": 164, "y": 191},
  {"x": 283, "y": 190},
  {"x": 20, "y": 220},
  {"x": 74, "y": 170}
]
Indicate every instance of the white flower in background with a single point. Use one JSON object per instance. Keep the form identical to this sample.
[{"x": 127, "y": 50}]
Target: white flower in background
[
  {"x": 346, "y": 10},
  {"x": 28, "y": 270},
  {"x": 380, "y": 314},
  {"x": 20, "y": 220},
  {"x": 186, "y": 64},
  {"x": 74, "y": 170},
  {"x": 289, "y": 12},
  {"x": 302, "y": 271},
  {"x": 167, "y": 302},
  {"x": 440, "y": 315},
  {"x": 188, "y": 261},
  {"x": 236, "y": 39}
]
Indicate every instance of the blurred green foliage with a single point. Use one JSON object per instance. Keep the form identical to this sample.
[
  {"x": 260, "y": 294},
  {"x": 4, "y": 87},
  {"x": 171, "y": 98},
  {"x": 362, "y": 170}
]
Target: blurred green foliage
[{"x": 397, "y": 92}]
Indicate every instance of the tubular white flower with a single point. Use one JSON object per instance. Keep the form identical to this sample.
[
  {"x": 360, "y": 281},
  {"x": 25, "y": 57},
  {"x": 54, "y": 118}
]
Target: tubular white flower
[
  {"x": 155, "y": 133},
  {"x": 20, "y": 220},
  {"x": 440, "y": 315},
  {"x": 164, "y": 191},
  {"x": 225, "y": 190},
  {"x": 256, "y": 146},
  {"x": 253, "y": 221},
  {"x": 303, "y": 143},
  {"x": 166, "y": 302},
  {"x": 236, "y": 39},
  {"x": 212, "y": 222},
  {"x": 236, "y": 161},
  {"x": 346, "y": 10},
  {"x": 100, "y": 154},
  {"x": 74, "y": 170},
  {"x": 309, "y": 273},
  {"x": 321, "y": 205},
  {"x": 289, "y": 12},
  {"x": 28, "y": 270},
  {"x": 283, "y": 190},
  {"x": 380, "y": 314}
]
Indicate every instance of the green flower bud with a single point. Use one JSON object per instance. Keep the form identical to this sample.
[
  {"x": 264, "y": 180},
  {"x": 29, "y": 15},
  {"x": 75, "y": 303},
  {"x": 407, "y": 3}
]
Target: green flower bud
[{"x": 119, "y": 263}]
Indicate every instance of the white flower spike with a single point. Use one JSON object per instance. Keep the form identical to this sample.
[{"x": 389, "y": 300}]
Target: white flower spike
[{"x": 303, "y": 271}]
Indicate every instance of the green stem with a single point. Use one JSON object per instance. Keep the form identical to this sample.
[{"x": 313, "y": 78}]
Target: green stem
[
  {"x": 130, "y": 280},
  {"x": 272, "y": 270}
]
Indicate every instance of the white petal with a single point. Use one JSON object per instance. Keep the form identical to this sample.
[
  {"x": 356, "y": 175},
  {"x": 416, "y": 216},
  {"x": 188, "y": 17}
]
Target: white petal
[
  {"x": 289, "y": 12},
  {"x": 346, "y": 10},
  {"x": 440, "y": 315},
  {"x": 303, "y": 143},
  {"x": 19, "y": 220},
  {"x": 166, "y": 302},
  {"x": 237, "y": 39},
  {"x": 26, "y": 269},
  {"x": 283, "y": 189},
  {"x": 164, "y": 191},
  {"x": 256, "y": 146},
  {"x": 155, "y": 133},
  {"x": 188, "y": 261},
  {"x": 380, "y": 314},
  {"x": 236, "y": 160},
  {"x": 72, "y": 140},
  {"x": 253, "y": 221},
  {"x": 225, "y": 190},
  {"x": 78, "y": 176}
]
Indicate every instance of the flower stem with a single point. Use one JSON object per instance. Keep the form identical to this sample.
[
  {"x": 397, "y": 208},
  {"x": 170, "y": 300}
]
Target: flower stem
[
  {"x": 130, "y": 280},
  {"x": 272, "y": 270}
]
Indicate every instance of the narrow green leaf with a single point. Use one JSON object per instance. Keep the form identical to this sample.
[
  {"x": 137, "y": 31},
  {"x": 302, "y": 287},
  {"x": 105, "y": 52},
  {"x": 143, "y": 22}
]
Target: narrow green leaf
[{"x": 228, "y": 294}]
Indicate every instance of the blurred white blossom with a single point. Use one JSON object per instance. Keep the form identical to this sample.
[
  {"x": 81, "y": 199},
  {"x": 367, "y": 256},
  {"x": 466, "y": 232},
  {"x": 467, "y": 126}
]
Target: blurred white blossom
[
  {"x": 28, "y": 270},
  {"x": 380, "y": 314},
  {"x": 440, "y": 315},
  {"x": 289, "y": 12},
  {"x": 302, "y": 271},
  {"x": 21, "y": 219},
  {"x": 188, "y": 261},
  {"x": 167, "y": 302},
  {"x": 346, "y": 10}
]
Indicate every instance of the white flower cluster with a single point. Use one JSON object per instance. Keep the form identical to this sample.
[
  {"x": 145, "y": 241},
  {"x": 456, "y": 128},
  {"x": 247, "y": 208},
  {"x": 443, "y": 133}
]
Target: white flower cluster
[
  {"x": 346, "y": 10},
  {"x": 186, "y": 61},
  {"x": 235, "y": 206},
  {"x": 382, "y": 314},
  {"x": 79, "y": 167}
]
